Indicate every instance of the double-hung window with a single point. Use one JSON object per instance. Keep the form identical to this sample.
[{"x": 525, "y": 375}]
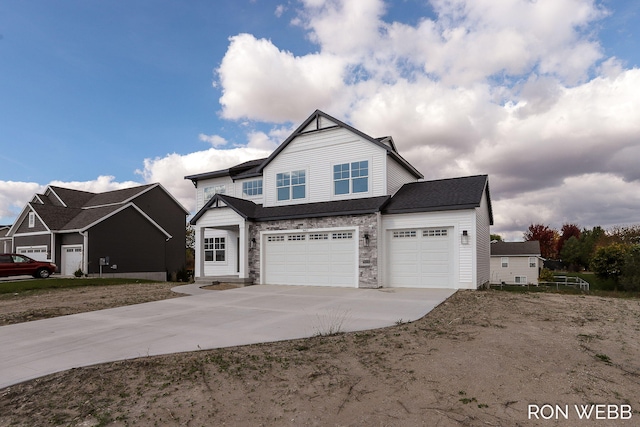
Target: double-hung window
[
  {"x": 252, "y": 188},
  {"x": 291, "y": 185},
  {"x": 351, "y": 177},
  {"x": 214, "y": 249}
]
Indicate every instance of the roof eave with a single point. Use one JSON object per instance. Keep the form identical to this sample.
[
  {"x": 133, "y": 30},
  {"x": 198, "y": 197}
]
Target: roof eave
[{"x": 430, "y": 209}]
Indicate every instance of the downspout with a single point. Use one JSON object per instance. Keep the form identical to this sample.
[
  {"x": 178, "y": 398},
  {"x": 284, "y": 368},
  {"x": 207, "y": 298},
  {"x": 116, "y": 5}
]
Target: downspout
[{"x": 85, "y": 252}]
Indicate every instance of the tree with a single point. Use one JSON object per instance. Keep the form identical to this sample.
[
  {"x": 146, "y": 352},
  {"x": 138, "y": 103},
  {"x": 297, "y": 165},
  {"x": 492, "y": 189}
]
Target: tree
[
  {"x": 566, "y": 232},
  {"x": 496, "y": 237},
  {"x": 630, "y": 277},
  {"x": 608, "y": 261},
  {"x": 571, "y": 254},
  {"x": 547, "y": 238},
  {"x": 590, "y": 240}
]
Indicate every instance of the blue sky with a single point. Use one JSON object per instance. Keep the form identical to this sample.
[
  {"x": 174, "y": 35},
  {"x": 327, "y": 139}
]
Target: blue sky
[{"x": 100, "y": 95}]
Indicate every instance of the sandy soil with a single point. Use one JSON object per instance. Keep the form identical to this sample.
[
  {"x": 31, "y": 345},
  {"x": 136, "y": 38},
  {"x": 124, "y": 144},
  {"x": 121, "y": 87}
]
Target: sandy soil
[{"x": 479, "y": 359}]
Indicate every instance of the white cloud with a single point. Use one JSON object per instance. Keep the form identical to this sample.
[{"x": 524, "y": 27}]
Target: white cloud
[
  {"x": 172, "y": 168},
  {"x": 261, "y": 82},
  {"x": 517, "y": 89},
  {"x": 214, "y": 140}
]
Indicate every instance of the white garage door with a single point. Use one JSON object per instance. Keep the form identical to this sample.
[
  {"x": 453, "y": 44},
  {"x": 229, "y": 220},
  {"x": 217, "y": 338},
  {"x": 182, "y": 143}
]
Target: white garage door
[
  {"x": 39, "y": 253},
  {"x": 421, "y": 258},
  {"x": 71, "y": 260},
  {"x": 327, "y": 258}
]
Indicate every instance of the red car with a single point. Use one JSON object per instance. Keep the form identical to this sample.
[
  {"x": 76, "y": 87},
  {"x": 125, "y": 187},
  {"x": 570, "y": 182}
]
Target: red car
[{"x": 19, "y": 265}]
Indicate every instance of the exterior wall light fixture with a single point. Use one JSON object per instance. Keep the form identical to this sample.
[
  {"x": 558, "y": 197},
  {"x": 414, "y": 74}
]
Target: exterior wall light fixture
[
  {"x": 464, "y": 239},
  {"x": 366, "y": 239}
]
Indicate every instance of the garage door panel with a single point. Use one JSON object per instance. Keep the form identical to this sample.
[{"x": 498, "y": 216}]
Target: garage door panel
[
  {"x": 319, "y": 259},
  {"x": 421, "y": 258}
]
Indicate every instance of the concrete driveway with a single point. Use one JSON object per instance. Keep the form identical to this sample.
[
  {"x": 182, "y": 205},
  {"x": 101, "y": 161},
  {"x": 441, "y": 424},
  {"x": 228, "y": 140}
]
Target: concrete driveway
[{"x": 211, "y": 319}]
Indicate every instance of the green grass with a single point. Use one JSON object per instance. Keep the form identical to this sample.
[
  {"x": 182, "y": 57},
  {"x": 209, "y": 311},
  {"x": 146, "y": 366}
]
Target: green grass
[
  {"x": 597, "y": 286},
  {"x": 58, "y": 283}
]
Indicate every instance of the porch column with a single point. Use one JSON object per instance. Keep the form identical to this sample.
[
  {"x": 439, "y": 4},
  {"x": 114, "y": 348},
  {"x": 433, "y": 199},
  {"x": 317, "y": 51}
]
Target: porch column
[
  {"x": 199, "y": 258},
  {"x": 243, "y": 262}
]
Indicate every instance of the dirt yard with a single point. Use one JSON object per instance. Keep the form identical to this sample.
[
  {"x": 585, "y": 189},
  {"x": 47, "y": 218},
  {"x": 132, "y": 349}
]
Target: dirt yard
[{"x": 480, "y": 359}]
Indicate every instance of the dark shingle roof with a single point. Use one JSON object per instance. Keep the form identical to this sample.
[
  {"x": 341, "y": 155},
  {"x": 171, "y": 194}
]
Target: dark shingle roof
[
  {"x": 429, "y": 196},
  {"x": 530, "y": 248},
  {"x": 83, "y": 208},
  {"x": 243, "y": 170},
  {"x": 439, "y": 195},
  {"x": 251, "y": 211},
  {"x": 116, "y": 196},
  {"x": 72, "y": 198}
]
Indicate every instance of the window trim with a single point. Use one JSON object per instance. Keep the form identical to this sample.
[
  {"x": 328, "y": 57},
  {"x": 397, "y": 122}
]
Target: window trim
[
  {"x": 215, "y": 189},
  {"x": 347, "y": 175},
  {"x": 518, "y": 280},
  {"x": 32, "y": 220},
  {"x": 256, "y": 185},
  {"x": 504, "y": 262},
  {"x": 532, "y": 262},
  {"x": 218, "y": 247},
  {"x": 290, "y": 186}
]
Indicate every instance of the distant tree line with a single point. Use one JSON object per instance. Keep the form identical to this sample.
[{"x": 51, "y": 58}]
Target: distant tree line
[{"x": 611, "y": 254}]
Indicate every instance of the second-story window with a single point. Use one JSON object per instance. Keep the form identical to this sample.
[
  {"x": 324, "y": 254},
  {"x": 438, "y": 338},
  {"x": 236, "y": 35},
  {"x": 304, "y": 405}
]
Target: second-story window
[
  {"x": 214, "y": 189},
  {"x": 291, "y": 185},
  {"x": 252, "y": 188},
  {"x": 351, "y": 177}
]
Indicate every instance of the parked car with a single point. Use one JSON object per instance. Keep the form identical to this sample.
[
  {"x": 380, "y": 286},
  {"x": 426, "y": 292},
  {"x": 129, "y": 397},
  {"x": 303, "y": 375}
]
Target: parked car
[{"x": 19, "y": 265}]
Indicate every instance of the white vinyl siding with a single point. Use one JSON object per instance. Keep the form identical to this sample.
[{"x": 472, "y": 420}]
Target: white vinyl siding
[
  {"x": 397, "y": 176},
  {"x": 483, "y": 242},
  {"x": 518, "y": 267},
  {"x": 212, "y": 183},
  {"x": 316, "y": 153}
]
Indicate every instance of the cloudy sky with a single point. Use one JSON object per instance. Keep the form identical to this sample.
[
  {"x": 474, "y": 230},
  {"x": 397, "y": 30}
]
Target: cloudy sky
[{"x": 542, "y": 95}]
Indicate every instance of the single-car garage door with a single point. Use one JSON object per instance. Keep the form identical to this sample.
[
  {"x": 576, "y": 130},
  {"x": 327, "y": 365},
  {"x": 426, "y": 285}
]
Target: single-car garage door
[
  {"x": 421, "y": 258},
  {"x": 325, "y": 258}
]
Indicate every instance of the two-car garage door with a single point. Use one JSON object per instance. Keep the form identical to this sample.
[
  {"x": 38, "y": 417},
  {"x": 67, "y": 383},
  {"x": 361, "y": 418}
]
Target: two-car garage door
[
  {"x": 420, "y": 258},
  {"x": 319, "y": 258}
]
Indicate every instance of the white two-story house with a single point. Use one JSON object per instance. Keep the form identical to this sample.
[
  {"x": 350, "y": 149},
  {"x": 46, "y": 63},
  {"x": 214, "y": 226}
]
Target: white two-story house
[{"x": 332, "y": 206}]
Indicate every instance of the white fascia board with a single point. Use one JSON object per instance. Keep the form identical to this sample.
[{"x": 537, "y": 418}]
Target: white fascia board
[{"x": 56, "y": 194}]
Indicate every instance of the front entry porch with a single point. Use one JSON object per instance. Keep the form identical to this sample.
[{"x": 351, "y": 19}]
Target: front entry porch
[{"x": 222, "y": 250}]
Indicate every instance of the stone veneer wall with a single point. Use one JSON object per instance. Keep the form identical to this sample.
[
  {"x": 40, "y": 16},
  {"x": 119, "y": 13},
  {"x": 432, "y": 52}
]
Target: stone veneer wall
[{"x": 368, "y": 255}]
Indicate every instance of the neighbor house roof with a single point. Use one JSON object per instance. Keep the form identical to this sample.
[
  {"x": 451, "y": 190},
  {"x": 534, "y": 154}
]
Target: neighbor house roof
[
  {"x": 530, "y": 248},
  {"x": 440, "y": 195},
  {"x": 62, "y": 209}
]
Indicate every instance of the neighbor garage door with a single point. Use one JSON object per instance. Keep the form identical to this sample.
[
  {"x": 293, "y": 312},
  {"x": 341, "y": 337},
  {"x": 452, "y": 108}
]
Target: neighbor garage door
[
  {"x": 327, "y": 258},
  {"x": 39, "y": 253},
  {"x": 421, "y": 258}
]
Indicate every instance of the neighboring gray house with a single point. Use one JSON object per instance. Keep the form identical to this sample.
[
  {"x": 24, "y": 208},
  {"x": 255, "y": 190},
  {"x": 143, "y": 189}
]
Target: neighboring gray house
[
  {"x": 5, "y": 241},
  {"x": 333, "y": 206},
  {"x": 516, "y": 263},
  {"x": 134, "y": 232}
]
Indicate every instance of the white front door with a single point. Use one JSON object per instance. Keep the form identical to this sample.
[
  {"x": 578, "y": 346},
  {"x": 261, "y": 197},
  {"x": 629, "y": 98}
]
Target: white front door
[
  {"x": 421, "y": 258},
  {"x": 317, "y": 258},
  {"x": 71, "y": 260}
]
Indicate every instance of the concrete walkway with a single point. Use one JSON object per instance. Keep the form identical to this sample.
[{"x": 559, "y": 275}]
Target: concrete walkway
[{"x": 211, "y": 319}]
